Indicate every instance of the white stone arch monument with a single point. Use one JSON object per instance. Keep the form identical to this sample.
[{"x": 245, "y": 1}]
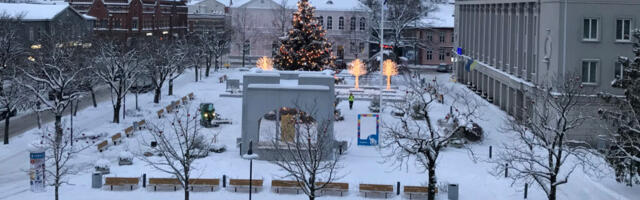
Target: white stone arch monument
[{"x": 265, "y": 91}]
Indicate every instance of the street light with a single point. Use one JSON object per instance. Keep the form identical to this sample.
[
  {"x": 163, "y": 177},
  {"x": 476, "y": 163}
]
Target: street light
[{"x": 250, "y": 156}]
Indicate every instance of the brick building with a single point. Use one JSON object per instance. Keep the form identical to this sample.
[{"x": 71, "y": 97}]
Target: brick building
[
  {"x": 131, "y": 18},
  {"x": 433, "y": 37}
]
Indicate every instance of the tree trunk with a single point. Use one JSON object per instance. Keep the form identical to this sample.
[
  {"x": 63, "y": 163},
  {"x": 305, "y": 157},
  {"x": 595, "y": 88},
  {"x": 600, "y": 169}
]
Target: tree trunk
[
  {"x": 170, "y": 87},
  {"x": 75, "y": 110},
  {"x": 116, "y": 111},
  {"x": 552, "y": 188},
  {"x": 56, "y": 188},
  {"x": 215, "y": 62},
  {"x": 156, "y": 96},
  {"x": 312, "y": 193},
  {"x": 186, "y": 190},
  {"x": 196, "y": 72},
  {"x": 93, "y": 97},
  {"x": 431, "y": 195},
  {"x": 6, "y": 127},
  {"x": 58, "y": 127},
  {"x": 38, "y": 119},
  {"x": 206, "y": 71}
]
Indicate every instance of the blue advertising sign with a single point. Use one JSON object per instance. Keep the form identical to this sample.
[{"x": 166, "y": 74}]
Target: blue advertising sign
[
  {"x": 372, "y": 138},
  {"x": 36, "y": 172}
]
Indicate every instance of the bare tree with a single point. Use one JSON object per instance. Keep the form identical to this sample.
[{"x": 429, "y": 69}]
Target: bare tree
[
  {"x": 216, "y": 44},
  {"x": 416, "y": 132},
  {"x": 54, "y": 76},
  {"x": 60, "y": 154},
  {"x": 165, "y": 59},
  {"x": 12, "y": 98},
  {"x": 195, "y": 52},
  {"x": 624, "y": 155},
  {"x": 119, "y": 67},
  {"x": 399, "y": 16},
  {"x": 10, "y": 48},
  {"x": 542, "y": 151},
  {"x": 309, "y": 156},
  {"x": 244, "y": 31},
  {"x": 179, "y": 145},
  {"x": 282, "y": 17}
]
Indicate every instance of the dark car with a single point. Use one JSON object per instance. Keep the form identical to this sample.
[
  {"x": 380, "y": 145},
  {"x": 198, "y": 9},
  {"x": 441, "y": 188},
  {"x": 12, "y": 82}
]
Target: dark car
[{"x": 444, "y": 68}]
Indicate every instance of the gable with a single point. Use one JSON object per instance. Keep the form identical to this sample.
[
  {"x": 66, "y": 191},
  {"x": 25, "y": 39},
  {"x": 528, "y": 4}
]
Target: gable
[{"x": 262, "y": 4}]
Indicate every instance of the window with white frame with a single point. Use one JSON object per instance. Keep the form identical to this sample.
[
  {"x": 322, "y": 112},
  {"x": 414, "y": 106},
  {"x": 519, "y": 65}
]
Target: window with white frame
[
  {"x": 441, "y": 36},
  {"x": 623, "y": 29},
  {"x": 362, "y": 23},
  {"x": 589, "y": 71},
  {"x": 618, "y": 70},
  {"x": 429, "y": 55},
  {"x": 429, "y": 37},
  {"x": 341, "y": 23},
  {"x": 329, "y": 22},
  {"x": 590, "y": 29},
  {"x": 441, "y": 54},
  {"x": 320, "y": 21}
]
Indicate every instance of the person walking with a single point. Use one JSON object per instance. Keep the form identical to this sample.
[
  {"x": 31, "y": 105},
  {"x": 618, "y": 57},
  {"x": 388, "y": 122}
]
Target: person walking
[{"x": 350, "y": 101}]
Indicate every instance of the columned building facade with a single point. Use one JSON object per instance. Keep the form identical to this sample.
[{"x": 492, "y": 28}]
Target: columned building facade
[{"x": 520, "y": 45}]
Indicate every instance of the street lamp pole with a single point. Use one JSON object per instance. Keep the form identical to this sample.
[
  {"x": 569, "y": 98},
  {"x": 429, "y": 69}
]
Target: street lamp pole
[{"x": 250, "y": 156}]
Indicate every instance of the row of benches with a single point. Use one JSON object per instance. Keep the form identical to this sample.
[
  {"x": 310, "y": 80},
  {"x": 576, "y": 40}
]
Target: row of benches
[
  {"x": 175, "y": 104},
  {"x": 116, "y": 138},
  {"x": 277, "y": 185}
]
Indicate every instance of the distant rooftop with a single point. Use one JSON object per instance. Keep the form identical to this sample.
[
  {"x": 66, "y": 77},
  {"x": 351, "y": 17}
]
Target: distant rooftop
[
  {"x": 33, "y": 12},
  {"x": 337, "y": 5},
  {"x": 442, "y": 17}
]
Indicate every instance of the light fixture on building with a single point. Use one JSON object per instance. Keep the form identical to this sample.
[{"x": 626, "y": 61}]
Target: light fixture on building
[
  {"x": 149, "y": 34},
  {"x": 36, "y": 46},
  {"x": 165, "y": 32}
]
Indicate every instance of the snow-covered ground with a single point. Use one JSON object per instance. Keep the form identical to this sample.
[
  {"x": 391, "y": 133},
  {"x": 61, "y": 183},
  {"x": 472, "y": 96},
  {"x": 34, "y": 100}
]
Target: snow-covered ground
[{"x": 361, "y": 164}]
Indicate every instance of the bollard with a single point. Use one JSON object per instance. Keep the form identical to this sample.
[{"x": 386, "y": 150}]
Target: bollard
[
  {"x": 340, "y": 149},
  {"x": 224, "y": 181},
  {"x": 506, "y": 170},
  {"x": 398, "y": 186},
  {"x": 490, "y": 151},
  {"x": 144, "y": 180},
  {"x": 240, "y": 147},
  {"x": 526, "y": 187}
]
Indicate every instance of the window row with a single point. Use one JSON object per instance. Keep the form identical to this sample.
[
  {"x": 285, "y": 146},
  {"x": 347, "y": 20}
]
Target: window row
[
  {"x": 591, "y": 68},
  {"x": 352, "y": 23},
  {"x": 591, "y": 29},
  {"x": 441, "y": 37},
  {"x": 442, "y": 54}
]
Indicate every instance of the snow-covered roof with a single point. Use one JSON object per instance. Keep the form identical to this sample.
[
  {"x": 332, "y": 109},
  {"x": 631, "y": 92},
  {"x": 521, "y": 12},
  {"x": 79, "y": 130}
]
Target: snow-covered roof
[
  {"x": 441, "y": 17},
  {"x": 33, "y": 12},
  {"x": 330, "y": 5}
]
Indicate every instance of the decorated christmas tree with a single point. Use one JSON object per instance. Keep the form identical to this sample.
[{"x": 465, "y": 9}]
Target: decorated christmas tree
[{"x": 305, "y": 47}]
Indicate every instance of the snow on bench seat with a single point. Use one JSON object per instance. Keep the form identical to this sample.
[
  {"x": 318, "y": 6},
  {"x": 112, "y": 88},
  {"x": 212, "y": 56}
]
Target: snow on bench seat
[
  {"x": 244, "y": 183},
  {"x": 284, "y": 184},
  {"x": 374, "y": 188},
  {"x": 121, "y": 181},
  {"x": 165, "y": 182},
  {"x": 336, "y": 187},
  {"x": 203, "y": 182},
  {"x": 417, "y": 191}
]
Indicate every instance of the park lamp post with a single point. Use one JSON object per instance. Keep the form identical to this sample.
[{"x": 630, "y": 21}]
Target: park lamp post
[{"x": 250, "y": 156}]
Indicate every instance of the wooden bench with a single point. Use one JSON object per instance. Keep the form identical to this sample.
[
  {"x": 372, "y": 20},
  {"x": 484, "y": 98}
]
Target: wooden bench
[
  {"x": 102, "y": 145},
  {"x": 167, "y": 182},
  {"x": 184, "y": 100},
  {"x": 121, "y": 181},
  {"x": 141, "y": 124},
  {"x": 116, "y": 138},
  {"x": 417, "y": 191},
  {"x": 176, "y": 104},
  {"x": 244, "y": 183},
  {"x": 338, "y": 187},
  {"x": 191, "y": 96},
  {"x": 373, "y": 188},
  {"x": 169, "y": 108},
  {"x": 202, "y": 182},
  {"x": 129, "y": 131},
  {"x": 160, "y": 112},
  {"x": 283, "y": 184}
]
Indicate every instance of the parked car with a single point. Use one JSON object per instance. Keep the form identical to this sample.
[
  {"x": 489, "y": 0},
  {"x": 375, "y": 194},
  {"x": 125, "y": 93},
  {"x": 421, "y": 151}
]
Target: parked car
[{"x": 444, "y": 68}]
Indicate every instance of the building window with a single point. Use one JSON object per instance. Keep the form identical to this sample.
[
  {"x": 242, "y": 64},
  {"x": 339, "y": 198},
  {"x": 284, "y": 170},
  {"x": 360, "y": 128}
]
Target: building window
[
  {"x": 618, "y": 70},
  {"x": 623, "y": 29},
  {"x": 341, "y": 23},
  {"x": 361, "y": 47},
  {"x": 116, "y": 23},
  {"x": 352, "y": 24},
  {"x": 590, "y": 29},
  {"x": 104, "y": 23},
  {"x": 362, "y": 23},
  {"x": 453, "y": 38},
  {"x": 441, "y": 36},
  {"x": 134, "y": 23},
  {"x": 329, "y": 22},
  {"x": 429, "y": 37},
  {"x": 429, "y": 55},
  {"x": 321, "y": 21},
  {"x": 589, "y": 71},
  {"x": 441, "y": 54}
]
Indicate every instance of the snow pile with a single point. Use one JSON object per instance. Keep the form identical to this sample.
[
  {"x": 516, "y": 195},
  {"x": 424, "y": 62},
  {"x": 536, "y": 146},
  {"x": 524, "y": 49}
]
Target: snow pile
[
  {"x": 36, "y": 146},
  {"x": 126, "y": 155},
  {"x": 442, "y": 17},
  {"x": 102, "y": 163}
]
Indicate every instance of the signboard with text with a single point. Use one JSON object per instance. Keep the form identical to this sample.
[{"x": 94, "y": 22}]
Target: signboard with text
[{"x": 36, "y": 172}]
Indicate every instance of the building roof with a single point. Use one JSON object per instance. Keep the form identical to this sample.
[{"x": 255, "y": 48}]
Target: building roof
[
  {"x": 33, "y": 12},
  {"x": 330, "y": 5},
  {"x": 441, "y": 17}
]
